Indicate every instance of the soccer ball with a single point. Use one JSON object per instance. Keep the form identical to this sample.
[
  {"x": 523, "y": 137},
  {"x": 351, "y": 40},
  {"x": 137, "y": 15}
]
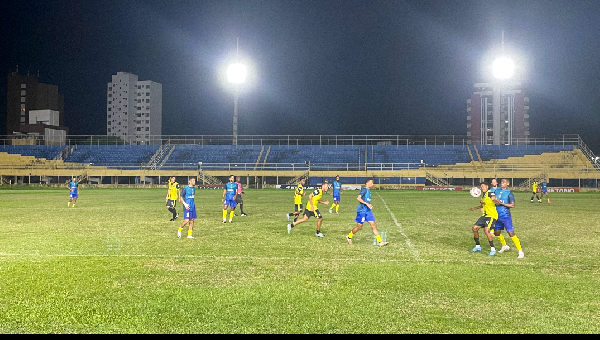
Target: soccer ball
[{"x": 475, "y": 192}]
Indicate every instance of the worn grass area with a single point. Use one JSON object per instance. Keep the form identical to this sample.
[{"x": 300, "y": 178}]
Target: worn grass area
[{"x": 113, "y": 264}]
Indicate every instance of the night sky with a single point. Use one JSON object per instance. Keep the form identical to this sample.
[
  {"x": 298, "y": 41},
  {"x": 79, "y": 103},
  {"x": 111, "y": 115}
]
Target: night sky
[{"x": 316, "y": 67}]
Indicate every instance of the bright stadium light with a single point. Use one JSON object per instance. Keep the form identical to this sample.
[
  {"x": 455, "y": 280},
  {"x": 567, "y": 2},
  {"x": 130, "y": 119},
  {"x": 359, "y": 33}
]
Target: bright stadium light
[
  {"x": 503, "y": 68},
  {"x": 236, "y": 73}
]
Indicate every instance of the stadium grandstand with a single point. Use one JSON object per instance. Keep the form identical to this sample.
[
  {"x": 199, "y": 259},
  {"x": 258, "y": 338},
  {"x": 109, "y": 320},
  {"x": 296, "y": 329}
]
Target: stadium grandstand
[{"x": 395, "y": 161}]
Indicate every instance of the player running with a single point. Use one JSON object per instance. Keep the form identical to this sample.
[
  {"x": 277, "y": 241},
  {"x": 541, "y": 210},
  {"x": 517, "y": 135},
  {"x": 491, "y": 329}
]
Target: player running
[
  {"x": 73, "y": 186},
  {"x": 534, "y": 190},
  {"x": 298, "y": 194},
  {"x": 312, "y": 210},
  {"x": 545, "y": 190},
  {"x": 229, "y": 195},
  {"x": 173, "y": 192},
  {"x": 505, "y": 200},
  {"x": 337, "y": 190},
  {"x": 364, "y": 213},
  {"x": 189, "y": 207},
  {"x": 487, "y": 220}
]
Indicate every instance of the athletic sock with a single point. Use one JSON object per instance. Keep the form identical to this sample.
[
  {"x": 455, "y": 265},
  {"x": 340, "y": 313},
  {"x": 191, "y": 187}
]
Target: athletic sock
[
  {"x": 516, "y": 241},
  {"x": 378, "y": 238},
  {"x": 350, "y": 234},
  {"x": 224, "y": 214},
  {"x": 180, "y": 229},
  {"x": 333, "y": 205},
  {"x": 231, "y": 215},
  {"x": 476, "y": 241},
  {"x": 189, "y": 232},
  {"x": 337, "y": 206},
  {"x": 501, "y": 239}
]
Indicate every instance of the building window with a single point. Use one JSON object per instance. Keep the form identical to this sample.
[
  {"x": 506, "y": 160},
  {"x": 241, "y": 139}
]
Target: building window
[
  {"x": 22, "y": 119},
  {"x": 108, "y": 122},
  {"x": 147, "y": 129},
  {"x": 23, "y": 92},
  {"x": 22, "y": 99},
  {"x": 147, "y": 86},
  {"x": 23, "y": 86},
  {"x": 147, "y": 100}
]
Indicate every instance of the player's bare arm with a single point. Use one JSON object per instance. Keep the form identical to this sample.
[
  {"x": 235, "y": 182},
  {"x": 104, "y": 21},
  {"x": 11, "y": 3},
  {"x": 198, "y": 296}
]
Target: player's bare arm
[{"x": 359, "y": 199}]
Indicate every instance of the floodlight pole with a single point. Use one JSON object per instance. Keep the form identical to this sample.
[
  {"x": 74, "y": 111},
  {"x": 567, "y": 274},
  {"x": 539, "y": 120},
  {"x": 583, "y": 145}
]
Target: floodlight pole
[
  {"x": 235, "y": 98},
  {"x": 235, "y": 116}
]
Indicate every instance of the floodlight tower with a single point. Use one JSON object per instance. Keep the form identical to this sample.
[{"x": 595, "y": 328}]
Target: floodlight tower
[
  {"x": 503, "y": 69},
  {"x": 236, "y": 73}
]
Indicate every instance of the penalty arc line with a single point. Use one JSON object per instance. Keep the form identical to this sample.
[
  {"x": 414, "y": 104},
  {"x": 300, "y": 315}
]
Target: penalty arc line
[{"x": 407, "y": 240}]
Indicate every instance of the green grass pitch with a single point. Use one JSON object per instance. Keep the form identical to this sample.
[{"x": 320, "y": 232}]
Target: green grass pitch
[{"x": 113, "y": 264}]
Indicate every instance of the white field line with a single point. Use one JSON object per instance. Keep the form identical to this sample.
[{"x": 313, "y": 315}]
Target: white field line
[{"x": 408, "y": 243}]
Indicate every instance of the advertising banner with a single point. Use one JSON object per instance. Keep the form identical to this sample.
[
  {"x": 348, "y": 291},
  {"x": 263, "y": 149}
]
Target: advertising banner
[
  {"x": 439, "y": 188},
  {"x": 559, "y": 189}
]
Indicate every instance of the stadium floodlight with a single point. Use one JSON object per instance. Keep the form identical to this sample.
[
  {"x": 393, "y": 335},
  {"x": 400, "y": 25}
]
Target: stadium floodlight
[
  {"x": 503, "y": 68},
  {"x": 236, "y": 74}
]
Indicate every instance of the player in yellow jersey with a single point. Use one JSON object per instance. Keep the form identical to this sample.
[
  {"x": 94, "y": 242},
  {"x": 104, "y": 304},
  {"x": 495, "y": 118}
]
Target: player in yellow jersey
[
  {"x": 534, "y": 190},
  {"x": 312, "y": 210},
  {"x": 298, "y": 194},
  {"x": 487, "y": 220},
  {"x": 173, "y": 191}
]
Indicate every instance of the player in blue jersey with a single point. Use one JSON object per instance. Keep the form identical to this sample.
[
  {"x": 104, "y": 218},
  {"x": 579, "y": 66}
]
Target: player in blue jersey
[
  {"x": 73, "y": 186},
  {"x": 494, "y": 185},
  {"x": 337, "y": 190},
  {"x": 229, "y": 196},
  {"x": 189, "y": 207},
  {"x": 364, "y": 213},
  {"x": 505, "y": 200},
  {"x": 544, "y": 190}
]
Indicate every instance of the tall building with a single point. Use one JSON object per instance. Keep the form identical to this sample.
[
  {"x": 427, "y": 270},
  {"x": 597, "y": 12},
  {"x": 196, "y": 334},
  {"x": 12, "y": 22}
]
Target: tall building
[
  {"x": 498, "y": 113},
  {"x": 134, "y": 108},
  {"x": 34, "y": 110}
]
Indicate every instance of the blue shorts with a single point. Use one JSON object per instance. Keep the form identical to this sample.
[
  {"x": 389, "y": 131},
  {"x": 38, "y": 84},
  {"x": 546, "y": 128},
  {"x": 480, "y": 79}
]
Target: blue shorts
[
  {"x": 73, "y": 195},
  {"x": 544, "y": 190},
  {"x": 189, "y": 214},
  {"x": 336, "y": 197},
  {"x": 362, "y": 217},
  {"x": 504, "y": 223},
  {"x": 230, "y": 203}
]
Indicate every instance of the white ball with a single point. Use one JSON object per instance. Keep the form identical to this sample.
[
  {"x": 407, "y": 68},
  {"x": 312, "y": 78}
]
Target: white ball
[{"x": 475, "y": 192}]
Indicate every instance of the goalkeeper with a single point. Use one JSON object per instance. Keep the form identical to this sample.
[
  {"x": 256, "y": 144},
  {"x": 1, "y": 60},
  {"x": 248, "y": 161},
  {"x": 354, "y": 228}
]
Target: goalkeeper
[{"x": 189, "y": 207}]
